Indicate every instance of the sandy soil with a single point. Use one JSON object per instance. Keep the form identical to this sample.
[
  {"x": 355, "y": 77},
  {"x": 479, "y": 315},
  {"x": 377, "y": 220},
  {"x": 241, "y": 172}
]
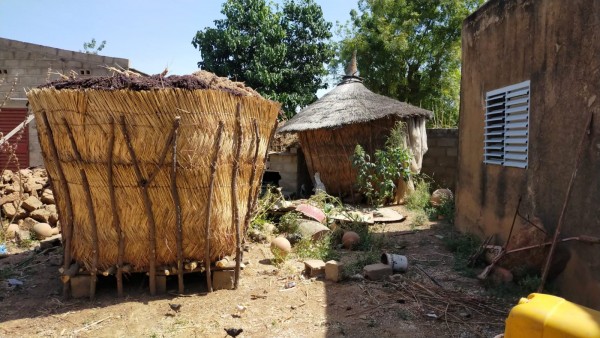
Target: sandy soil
[{"x": 408, "y": 305}]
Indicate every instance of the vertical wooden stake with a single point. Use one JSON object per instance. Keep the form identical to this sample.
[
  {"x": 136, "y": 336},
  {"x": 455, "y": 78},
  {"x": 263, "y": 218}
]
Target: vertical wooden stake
[
  {"x": 148, "y": 207},
  {"x": 67, "y": 221},
  {"x": 211, "y": 187},
  {"x": 263, "y": 166},
  {"x": 252, "y": 176},
  {"x": 236, "y": 211},
  {"x": 113, "y": 205},
  {"x": 91, "y": 212},
  {"x": 177, "y": 202}
]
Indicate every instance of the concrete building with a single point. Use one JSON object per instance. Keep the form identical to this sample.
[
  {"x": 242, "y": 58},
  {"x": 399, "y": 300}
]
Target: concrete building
[
  {"x": 530, "y": 84},
  {"x": 25, "y": 65}
]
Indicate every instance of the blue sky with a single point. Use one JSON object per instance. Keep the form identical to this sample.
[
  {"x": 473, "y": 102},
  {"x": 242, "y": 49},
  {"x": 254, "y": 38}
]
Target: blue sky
[{"x": 152, "y": 34}]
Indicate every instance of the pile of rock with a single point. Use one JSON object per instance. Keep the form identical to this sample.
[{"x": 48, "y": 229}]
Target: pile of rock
[{"x": 27, "y": 204}]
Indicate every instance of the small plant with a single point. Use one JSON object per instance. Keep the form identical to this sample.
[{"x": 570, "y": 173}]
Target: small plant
[
  {"x": 446, "y": 210},
  {"x": 463, "y": 246},
  {"x": 289, "y": 223},
  {"x": 321, "y": 249},
  {"x": 419, "y": 199},
  {"x": 356, "y": 266},
  {"x": 377, "y": 179},
  {"x": 420, "y": 219}
]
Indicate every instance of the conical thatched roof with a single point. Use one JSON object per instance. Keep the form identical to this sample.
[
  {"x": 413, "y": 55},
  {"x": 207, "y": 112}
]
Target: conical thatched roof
[{"x": 349, "y": 103}]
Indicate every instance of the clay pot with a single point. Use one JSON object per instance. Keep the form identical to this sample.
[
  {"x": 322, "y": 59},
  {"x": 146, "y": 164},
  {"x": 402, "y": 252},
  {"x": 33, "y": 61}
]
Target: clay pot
[
  {"x": 42, "y": 230},
  {"x": 281, "y": 247},
  {"x": 439, "y": 196},
  {"x": 350, "y": 239}
]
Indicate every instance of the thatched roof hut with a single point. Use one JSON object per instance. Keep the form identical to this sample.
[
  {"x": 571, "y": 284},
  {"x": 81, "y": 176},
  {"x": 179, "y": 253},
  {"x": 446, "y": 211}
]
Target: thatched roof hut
[
  {"x": 330, "y": 128},
  {"x": 153, "y": 172}
]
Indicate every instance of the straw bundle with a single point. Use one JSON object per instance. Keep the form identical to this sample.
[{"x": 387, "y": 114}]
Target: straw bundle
[{"x": 84, "y": 135}]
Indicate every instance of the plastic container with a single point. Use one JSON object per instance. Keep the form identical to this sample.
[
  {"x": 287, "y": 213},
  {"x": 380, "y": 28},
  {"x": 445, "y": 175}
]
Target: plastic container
[
  {"x": 547, "y": 316},
  {"x": 398, "y": 263}
]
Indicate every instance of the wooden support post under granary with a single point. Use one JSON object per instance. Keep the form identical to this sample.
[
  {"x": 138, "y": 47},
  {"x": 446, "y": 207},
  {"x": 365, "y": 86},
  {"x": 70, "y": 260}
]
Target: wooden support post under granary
[
  {"x": 211, "y": 188},
  {"x": 139, "y": 148}
]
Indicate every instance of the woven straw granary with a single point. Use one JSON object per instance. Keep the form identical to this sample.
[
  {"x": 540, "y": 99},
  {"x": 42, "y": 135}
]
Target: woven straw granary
[{"x": 112, "y": 143}]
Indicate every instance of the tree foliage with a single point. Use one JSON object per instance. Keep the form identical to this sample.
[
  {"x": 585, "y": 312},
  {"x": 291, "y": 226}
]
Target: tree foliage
[
  {"x": 90, "y": 47},
  {"x": 410, "y": 50},
  {"x": 280, "y": 52}
]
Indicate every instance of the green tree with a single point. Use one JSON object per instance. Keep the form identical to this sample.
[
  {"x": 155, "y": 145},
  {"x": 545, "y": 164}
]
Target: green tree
[
  {"x": 90, "y": 47},
  {"x": 280, "y": 52},
  {"x": 410, "y": 50}
]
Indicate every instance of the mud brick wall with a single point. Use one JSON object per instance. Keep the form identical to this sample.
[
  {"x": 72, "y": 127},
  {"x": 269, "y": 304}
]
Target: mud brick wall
[{"x": 440, "y": 161}]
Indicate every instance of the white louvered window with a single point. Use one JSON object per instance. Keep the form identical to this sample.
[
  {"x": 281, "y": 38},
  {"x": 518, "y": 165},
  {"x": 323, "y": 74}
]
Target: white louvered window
[{"x": 507, "y": 126}]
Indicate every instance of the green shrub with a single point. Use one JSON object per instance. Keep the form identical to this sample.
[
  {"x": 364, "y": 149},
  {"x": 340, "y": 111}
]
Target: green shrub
[
  {"x": 419, "y": 199},
  {"x": 377, "y": 179},
  {"x": 289, "y": 223}
]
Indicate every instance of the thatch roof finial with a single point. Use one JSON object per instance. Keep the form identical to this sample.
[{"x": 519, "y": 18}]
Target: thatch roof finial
[{"x": 352, "y": 67}]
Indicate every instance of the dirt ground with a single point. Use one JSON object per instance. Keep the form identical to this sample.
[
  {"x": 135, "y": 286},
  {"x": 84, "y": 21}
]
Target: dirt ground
[{"x": 407, "y": 305}]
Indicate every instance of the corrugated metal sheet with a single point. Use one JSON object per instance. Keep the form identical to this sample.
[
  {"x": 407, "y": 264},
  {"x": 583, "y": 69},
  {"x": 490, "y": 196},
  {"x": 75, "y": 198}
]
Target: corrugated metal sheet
[{"x": 9, "y": 119}]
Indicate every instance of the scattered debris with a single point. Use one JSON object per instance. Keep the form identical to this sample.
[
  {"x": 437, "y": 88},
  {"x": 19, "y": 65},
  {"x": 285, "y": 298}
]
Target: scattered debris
[
  {"x": 175, "y": 307},
  {"x": 387, "y": 215},
  {"x": 14, "y": 282},
  {"x": 312, "y": 212},
  {"x": 233, "y": 332}
]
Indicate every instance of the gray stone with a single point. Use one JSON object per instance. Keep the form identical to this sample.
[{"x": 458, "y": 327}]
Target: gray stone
[
  {"x": 9, "y": 198},
  {"x": 13, "y": 187},
  {"x": 9, "y": 210},
  {"x": 80, "y": 286},
  {"x": 31, "y": 203},
  {"x": 223, "y": 280},
  {"x": 41, "y": 215},
  {"x": 333, "y": 271},
  {"x": 28, "y": 223},
  {"x": 314, "y": 267},
  {"x": 32, "y": 186},
  {"x": 53, "y": 219},
  {"x": 11, "y": 231},
  {"x": 161, "y": 285},
  {"x": 312, "y": 229},
  {"x": 23, "y": 235},
  {"x": 7, "y": 176},
  {"x": 377, "y": 271},
  {"x": 48, "y": 196}
]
